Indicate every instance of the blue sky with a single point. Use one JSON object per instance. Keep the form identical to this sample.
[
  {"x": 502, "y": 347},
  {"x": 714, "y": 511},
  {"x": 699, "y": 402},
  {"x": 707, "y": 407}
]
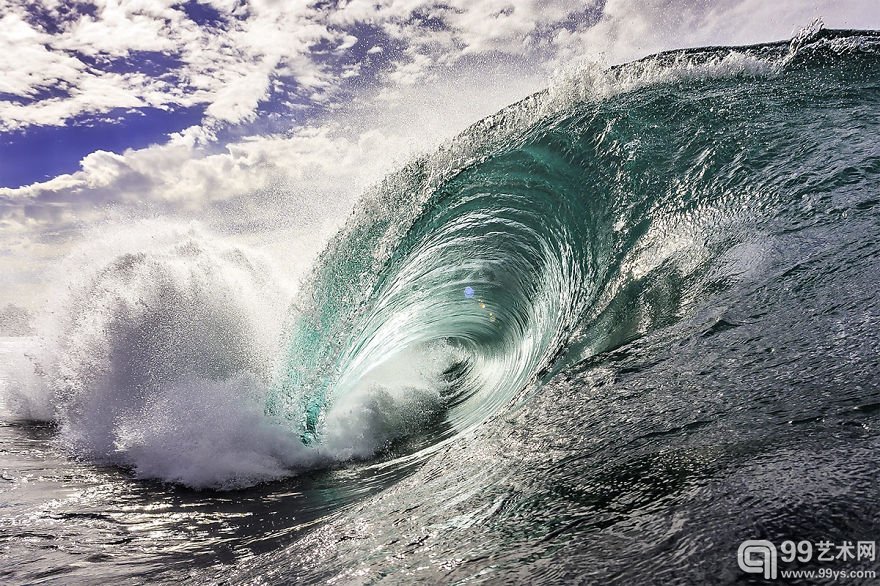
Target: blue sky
[
  {"x": 42, "y": 152},
  {"x": 139, "y": 108},
  {"x": 35, "y": 151}
]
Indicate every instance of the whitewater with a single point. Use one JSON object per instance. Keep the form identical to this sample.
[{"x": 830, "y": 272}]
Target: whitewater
[{"x": 601, "y": 335}]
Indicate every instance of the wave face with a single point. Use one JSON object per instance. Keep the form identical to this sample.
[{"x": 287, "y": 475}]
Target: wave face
[
  {"x": 609, "y": 333},
  {"x": 613, "y": 205}
]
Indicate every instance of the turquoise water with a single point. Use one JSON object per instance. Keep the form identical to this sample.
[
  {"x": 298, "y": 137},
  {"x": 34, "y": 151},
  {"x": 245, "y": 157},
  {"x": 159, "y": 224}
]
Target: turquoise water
[{"x": 580, "y": 220}]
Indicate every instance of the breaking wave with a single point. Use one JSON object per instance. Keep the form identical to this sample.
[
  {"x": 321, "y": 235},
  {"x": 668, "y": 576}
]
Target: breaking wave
[{"x": 609, "y": 206}]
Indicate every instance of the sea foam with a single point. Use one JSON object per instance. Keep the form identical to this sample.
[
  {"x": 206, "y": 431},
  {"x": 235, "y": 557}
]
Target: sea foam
[{"x": 155, "y": 356}]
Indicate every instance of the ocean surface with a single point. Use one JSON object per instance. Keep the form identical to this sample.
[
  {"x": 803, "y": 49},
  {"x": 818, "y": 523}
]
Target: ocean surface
[{"x": 603, "y": 336}]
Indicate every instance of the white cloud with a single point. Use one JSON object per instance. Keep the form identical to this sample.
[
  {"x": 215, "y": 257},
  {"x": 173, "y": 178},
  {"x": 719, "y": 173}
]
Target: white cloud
[
  {"x": 238, "y": 101},
  {"x": 439, "y": 35},
  {"x": 348, "y": 41},
  {"x": 227, "y": 68},
  {"x": 26, "y": 64},
  {"x": 118, "y": 28}
]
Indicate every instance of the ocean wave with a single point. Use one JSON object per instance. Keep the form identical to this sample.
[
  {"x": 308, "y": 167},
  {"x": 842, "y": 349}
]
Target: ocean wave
[
  {"x": 609, "y": 206},
  {"x": 574, "y": 224}
]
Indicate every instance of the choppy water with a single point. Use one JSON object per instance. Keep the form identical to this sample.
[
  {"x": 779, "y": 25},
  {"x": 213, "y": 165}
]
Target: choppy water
[{"x": 671, "y": 347}]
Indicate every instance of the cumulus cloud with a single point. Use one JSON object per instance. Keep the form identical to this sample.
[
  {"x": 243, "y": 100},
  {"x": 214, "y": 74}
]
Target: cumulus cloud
[{"x": 61, "y": 62}]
